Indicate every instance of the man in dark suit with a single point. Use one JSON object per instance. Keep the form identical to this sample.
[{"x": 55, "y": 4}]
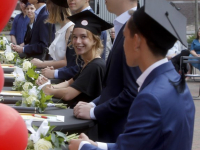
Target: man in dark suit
[
  {"x": 40, "y": 36},
  {"x": 162, "y": 115},
  {"x": 111, "y": 108},
  {"x": 72, "y": 68}
]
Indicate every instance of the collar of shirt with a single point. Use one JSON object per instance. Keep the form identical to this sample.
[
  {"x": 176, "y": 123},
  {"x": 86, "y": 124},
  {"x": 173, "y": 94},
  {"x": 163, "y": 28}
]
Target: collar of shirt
[
  {"x": 31, "y": 25},
  {"x": 144, "y": 75},
  {"x": 38, "y": 11},
  {"x": 87, "y": 8},
  {"x": 121, "y": 20}
]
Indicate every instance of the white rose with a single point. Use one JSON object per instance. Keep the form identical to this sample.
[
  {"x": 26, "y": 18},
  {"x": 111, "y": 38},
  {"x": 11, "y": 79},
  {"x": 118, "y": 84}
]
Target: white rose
[
  {"x": 26, "y": 65},
  {"x": 31, "y": 99},
  {"x": 9, "y": 56},
  {"x": 33, "y": 91},
  {"x": 26, "y": 85},
  {"x": 42, "y": 144}
]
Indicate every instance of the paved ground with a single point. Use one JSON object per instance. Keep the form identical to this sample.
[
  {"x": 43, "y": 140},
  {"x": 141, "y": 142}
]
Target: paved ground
[{"x": 194, "y": 88}]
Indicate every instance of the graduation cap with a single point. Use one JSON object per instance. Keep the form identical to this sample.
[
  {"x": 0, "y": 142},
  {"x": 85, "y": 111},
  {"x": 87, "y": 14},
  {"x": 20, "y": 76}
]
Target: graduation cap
[
  {"x": 161, "y": 23},
  {"x": 89, "y": 21},
  {"x": 61, "y": 3},
  {"x": 39, "y": 1}
]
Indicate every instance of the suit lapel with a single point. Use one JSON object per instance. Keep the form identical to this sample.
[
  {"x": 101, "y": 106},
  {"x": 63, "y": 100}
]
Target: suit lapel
[
  {"x": 156, "y": 72},
  {"x": 117, "y": 42}
]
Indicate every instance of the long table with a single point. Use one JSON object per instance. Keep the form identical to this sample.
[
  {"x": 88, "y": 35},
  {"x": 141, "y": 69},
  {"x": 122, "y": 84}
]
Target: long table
[
  {"x": 9, "y": 79},
  {"x": 9, "y": 99}
]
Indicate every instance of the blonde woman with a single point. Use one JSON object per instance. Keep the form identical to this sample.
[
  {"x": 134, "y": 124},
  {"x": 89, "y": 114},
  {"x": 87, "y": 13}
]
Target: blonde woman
[
  {"x": 87, "y": 84},
  {"x": 58, "y": 13}
]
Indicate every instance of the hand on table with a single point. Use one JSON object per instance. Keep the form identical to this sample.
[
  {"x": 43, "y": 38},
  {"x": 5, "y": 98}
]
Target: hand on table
[
  {"x": 37, "y": 62},
  {"x": 74, "y": 144},
  {"x": 82, "y": 110},
  {"x": 48, "y": 72},
  {"x": 41, "y": 80},
  {"x": 17, "y": 48}
]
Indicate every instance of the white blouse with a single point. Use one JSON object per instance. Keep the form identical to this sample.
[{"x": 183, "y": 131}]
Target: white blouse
[{"x": 57, "y": 49}]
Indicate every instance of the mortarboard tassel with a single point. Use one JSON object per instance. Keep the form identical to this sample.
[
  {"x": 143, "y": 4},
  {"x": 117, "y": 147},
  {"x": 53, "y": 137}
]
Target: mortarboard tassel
[{"x": 98, "y": 7}]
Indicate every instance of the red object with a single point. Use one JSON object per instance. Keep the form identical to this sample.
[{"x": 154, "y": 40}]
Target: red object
[
  {"x": 6, "y": 9},
  {"x": 39, "y": 116},
  {"x": 13, "y": 131},
  {"x": 1, "y": 77}
]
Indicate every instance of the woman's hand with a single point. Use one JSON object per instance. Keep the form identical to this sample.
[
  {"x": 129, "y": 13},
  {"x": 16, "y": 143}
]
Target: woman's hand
[
  {"x": 37, "y": 62},
  {"x": 41, "y": 80},
  {"x": 17, "y": 48},
  {"x": 47, "y": 89}
]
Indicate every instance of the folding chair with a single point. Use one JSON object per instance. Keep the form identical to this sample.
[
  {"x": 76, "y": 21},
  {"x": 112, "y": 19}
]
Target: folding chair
[{"x": 189, "y": 59}]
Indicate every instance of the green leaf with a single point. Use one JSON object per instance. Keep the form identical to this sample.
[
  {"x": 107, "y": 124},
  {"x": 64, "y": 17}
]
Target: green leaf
[
  {"x": 57, "y": 148},
  {"x": 60, "y": 134},
  {"x": 51, "y": 129},
  {"x": 53, "y": 137},
  {"x": 48, "y": 138},
  {"x": 56, "y": 143},
  {"x": 18, "y": 103}
]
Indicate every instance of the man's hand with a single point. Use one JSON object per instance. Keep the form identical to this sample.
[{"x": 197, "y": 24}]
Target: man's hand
[
  {"x": 74, "y": 144},
  {"x": 17, "y": 48},
  {"x": 37, "y": 62},
  {"x": 82, "y": 110},
  {"x": 48, "y": 72}
]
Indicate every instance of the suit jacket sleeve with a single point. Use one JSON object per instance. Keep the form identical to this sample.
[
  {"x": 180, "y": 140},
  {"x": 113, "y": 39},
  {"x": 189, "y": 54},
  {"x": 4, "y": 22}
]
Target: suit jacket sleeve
[
  {"x": 92, "y": 147},
  {"x": 119, "y": 106},
  {"x": 67, "y": 73},
  {"x": 143, "y": 128},
  {"x": 37, "y": 48},
  {"x": 96, "y": 100}
]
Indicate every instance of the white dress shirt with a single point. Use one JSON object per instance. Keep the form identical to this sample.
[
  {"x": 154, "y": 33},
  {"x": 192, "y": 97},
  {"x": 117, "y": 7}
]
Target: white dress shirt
[
  {"x": 120, "y": 21},
  {"x": 38, "y": 11},
  {"x": 144, "y": 75}
]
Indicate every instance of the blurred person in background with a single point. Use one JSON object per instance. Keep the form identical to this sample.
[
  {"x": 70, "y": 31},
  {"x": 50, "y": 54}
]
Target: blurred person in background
[
  {"x": 58, "y": 13},
  {"x": 112, "y": 34},
  {"x": 30, "y": 11},
  {"x": 19, "y": 26}
]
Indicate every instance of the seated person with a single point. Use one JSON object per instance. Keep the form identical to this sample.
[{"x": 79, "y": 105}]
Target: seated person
[
  {"x": 87, "y": 84},
  {"x": 195, "y": 49},
  {"x": 162, "y": 114},
  {"x": 30, "y": 12},
  {"x": 174, "y": 54},
  {"x": 58, "y": 13},
  {"x": 19, "y": 26},
  {"x": 40, "y": 37}
]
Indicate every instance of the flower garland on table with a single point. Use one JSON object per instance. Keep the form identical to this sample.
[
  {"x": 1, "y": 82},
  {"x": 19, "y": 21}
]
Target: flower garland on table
[
  {"x": 31, "y": 95},
  {"x": 45, "y": 138},
  {"x": 3, "y": 43}
]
